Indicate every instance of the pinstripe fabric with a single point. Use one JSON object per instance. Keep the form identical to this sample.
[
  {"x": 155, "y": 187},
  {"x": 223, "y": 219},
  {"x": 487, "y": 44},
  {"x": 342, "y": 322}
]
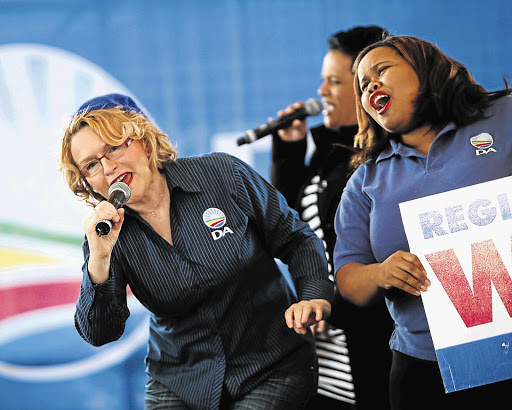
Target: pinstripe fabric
[{"x": 217, "y": 299}]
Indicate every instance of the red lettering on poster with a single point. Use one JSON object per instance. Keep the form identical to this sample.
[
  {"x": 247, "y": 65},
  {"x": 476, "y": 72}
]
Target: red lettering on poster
[{"x": 474, "y": 306}]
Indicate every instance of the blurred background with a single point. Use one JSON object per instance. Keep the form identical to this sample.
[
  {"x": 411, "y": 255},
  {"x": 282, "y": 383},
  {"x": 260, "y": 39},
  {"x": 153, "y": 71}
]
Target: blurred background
[{"x": 205, "y": 71}]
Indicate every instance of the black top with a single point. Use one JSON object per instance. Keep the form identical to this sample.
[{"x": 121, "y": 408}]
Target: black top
[
  {"x": 290, "y": 175},
  {"x": 216, "y": 296},
  {"x": 330, "y": 161},
  {"x": 367, "y": 330}
]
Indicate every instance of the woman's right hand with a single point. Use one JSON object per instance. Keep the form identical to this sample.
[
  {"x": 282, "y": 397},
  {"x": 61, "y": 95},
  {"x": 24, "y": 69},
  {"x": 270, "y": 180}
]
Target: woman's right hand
[
  {"x": 297, "y": 130},
  {"x": 101, "y": 247},
  {"x": 402, "y": 270}
]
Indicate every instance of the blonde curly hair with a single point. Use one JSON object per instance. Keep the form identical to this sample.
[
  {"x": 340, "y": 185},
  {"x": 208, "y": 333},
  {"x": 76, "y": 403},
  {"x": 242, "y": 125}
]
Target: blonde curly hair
[{"x": 114, "y": 126}]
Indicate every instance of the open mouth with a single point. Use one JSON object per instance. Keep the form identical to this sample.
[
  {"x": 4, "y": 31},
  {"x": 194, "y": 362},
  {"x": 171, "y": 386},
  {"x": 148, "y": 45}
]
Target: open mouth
[
  {"x": 380, "y": 102},
  {"x": 328, "y": 108},
  {"x": 125, "y": 177}
]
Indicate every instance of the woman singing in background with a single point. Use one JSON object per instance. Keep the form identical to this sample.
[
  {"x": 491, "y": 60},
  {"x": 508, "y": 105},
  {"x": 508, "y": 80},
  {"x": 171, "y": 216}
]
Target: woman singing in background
[{"x": 360, "y": 374}]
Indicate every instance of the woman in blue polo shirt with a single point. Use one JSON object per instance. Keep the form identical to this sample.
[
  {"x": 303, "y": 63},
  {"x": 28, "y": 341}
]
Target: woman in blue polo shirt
[
  {"x": 196, "y": 243},
  {"x": 417, "y": 110}
]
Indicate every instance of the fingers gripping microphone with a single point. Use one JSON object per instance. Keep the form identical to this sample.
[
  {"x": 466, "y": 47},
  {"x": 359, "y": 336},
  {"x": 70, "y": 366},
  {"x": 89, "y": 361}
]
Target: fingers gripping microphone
[
  {"x": 311, "y": 107},
  {"x": 118, "y": 194}
]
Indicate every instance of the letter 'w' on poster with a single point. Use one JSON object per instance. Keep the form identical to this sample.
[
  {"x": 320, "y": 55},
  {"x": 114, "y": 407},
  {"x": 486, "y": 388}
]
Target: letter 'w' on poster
[{"x": 464, "y": 240}]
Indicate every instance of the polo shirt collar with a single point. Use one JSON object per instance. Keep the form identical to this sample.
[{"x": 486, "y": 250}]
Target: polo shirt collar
[
  {"x": 397, "y": 148},
  {"x": 178, "y": 174}
]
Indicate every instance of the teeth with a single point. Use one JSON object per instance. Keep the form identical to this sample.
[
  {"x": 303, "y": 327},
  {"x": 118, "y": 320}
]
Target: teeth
[
  {"x": 378, "y": 103},
  {"x": 328, "y": 107},
  {"x": 122, "y": 178}
]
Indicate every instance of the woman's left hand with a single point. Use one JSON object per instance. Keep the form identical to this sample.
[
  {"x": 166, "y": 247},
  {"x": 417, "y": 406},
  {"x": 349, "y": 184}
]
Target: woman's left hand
[{"x": 300, "y": 316}]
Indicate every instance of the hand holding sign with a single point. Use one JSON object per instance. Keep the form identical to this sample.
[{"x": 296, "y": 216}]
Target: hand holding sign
[{"x": 403, "y": 270}]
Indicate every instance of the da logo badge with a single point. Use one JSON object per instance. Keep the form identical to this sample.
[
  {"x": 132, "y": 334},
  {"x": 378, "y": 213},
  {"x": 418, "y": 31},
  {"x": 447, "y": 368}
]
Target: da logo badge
[
  {"x": 483, "y": 143},
  {"x": 215, "y": 219}
]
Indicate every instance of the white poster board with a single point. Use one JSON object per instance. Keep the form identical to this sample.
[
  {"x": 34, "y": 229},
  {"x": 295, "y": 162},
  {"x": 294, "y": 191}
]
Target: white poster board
[{"x": 463, "y": 239}]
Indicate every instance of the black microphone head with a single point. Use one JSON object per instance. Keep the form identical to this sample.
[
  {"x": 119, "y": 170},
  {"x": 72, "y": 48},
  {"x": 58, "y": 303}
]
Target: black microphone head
[
  {"x": 123, "y": 188},
  {"x": 313, "y": 107}
]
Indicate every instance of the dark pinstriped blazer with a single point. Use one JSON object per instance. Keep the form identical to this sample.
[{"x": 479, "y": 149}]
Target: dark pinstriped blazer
[{"x": 216, "y": 296}]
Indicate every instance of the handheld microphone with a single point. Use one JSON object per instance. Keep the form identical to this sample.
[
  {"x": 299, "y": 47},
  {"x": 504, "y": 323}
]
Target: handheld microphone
[
  {"x": 311, "y": 107},
  {"x": 118, "y": 194}
]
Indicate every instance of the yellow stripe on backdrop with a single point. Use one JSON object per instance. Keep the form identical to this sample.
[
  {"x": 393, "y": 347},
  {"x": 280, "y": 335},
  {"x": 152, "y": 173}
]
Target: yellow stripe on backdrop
[{"x": 11, "y": 258}]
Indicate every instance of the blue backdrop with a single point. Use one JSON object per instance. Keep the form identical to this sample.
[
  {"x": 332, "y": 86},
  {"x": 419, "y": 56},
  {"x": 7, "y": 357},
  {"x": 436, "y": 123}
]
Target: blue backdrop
[{"x": 203, "y": 67}]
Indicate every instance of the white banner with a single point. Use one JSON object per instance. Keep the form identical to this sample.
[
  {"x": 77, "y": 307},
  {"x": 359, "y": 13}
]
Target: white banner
[{"x": 463, "y": 239}]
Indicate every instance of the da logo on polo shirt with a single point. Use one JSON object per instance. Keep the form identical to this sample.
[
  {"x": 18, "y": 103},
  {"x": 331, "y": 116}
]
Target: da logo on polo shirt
[
  {"x": 215, "y": 219},
  {"x": 483, "y": 143}
]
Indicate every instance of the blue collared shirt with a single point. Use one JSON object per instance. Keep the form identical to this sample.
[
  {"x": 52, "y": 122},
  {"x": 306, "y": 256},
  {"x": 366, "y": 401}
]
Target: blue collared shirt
[
  {"x": 368, "y": 222},
  {"x": 216, "y": 296}
]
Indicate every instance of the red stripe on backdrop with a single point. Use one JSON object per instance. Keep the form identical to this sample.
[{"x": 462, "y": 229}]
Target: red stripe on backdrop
[{"x": 23, "y": 298}]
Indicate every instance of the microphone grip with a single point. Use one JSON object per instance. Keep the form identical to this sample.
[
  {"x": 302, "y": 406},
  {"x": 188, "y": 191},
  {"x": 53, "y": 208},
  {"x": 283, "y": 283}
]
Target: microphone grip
[
  {"x": 278, "y": 124},
  {"x": 103, "y": 227},
  {"x": 117, "y": 200},
  {"x": 119, "y": 193},
  {"x": 247, "y": 138}
]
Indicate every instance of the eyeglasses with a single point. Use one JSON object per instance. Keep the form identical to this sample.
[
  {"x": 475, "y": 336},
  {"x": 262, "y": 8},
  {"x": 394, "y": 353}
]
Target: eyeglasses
[{"x": 94, "y": 167}]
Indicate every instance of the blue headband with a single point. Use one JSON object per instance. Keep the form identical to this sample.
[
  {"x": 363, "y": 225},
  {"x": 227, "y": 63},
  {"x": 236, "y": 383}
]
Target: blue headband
[{"x": 109, "y": 101}]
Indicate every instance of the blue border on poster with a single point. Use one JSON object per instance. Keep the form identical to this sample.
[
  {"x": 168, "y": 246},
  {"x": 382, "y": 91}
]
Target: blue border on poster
[{"x": 476, "y": 363}]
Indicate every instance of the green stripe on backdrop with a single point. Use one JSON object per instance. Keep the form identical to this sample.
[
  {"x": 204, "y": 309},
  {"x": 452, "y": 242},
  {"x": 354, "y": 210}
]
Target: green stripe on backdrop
[{"x": 26, "y": 232}]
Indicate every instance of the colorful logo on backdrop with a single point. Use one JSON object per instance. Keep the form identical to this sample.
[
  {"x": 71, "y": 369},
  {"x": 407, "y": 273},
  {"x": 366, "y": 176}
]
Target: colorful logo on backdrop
[
  {"x": 44, "y": 363},
  {"x": 483, "y": 143},
  {"x": 38, "y": 340},
  {"x": 215, "y": 219}
]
